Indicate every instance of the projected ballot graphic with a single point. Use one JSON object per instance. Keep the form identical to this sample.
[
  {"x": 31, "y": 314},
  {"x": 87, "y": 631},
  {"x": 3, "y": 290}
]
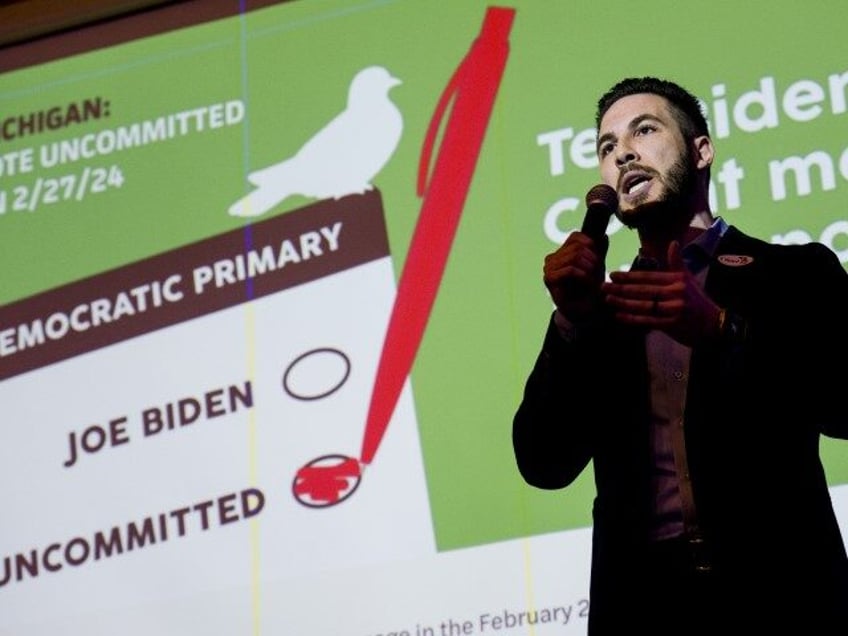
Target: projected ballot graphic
[{"x": 228, "y": 353}]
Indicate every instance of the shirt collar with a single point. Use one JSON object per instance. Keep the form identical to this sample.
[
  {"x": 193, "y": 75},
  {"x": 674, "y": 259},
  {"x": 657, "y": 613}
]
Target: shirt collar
[
  {"x": 698, "y": 253},
  {"x": 708, "y": 240}
]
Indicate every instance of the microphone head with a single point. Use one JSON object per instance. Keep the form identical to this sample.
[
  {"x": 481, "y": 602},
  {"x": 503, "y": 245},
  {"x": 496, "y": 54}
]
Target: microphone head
[{"x": 602, "y": 195}]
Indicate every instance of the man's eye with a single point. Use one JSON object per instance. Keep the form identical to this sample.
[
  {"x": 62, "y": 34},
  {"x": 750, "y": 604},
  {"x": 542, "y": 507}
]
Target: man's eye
[
  {"x": 645, "y": 129},
  {"x": 604, "y": 150}
]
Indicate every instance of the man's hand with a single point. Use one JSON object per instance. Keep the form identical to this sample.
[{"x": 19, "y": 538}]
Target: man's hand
[
  {"x": 669, "y": 300},
  {"x": 573, "y": 275}
]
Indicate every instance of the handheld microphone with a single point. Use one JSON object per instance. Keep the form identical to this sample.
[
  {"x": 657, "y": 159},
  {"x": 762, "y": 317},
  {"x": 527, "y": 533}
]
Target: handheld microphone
[{"x": 601, "y": 202}]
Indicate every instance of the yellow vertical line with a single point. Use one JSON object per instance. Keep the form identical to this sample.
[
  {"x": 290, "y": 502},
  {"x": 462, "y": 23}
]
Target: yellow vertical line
[
  {"x": 528, "y": 581},
  {"x": 498, "y": 133}
]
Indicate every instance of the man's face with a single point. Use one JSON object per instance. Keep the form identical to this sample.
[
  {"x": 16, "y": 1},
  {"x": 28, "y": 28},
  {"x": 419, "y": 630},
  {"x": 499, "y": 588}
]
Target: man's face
[{"x": 644, "y": 156}]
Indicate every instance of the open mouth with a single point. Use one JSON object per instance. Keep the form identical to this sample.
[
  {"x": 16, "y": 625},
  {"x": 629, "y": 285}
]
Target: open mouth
[{"x": 635, "y": 182}]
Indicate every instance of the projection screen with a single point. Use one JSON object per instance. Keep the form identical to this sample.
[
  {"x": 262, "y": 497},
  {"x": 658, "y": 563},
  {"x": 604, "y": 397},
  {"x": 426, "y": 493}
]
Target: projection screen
[{"x": 272, "y": 286}]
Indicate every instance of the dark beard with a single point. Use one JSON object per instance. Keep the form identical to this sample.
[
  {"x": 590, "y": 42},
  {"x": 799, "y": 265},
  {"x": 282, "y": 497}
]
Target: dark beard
[{"x": 672, "y": 210}]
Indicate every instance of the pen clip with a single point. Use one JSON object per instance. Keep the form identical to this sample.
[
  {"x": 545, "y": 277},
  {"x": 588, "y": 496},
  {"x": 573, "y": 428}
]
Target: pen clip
[
  {"x": 447, "y": 95},
  {"x": 495, "y": 30}
]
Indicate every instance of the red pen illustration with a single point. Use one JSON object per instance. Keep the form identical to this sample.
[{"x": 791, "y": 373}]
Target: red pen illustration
[{"x": 470, "y": 94}]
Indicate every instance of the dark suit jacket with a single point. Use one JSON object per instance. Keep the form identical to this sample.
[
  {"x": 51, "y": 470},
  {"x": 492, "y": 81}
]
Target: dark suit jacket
[{"x": 755, "y": 409}]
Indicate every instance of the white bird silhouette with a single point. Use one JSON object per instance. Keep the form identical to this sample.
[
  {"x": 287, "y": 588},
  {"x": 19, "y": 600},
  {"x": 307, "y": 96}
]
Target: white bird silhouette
[{"x": 340, "y": 159}]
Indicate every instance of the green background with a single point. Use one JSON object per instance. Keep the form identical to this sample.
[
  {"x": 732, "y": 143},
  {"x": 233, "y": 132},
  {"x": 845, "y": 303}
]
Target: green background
[{"x": 291, "y": 65}]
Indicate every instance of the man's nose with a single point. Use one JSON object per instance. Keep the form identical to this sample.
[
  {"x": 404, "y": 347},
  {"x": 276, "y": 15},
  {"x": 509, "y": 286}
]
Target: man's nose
[{"x": 624, "y": 155}]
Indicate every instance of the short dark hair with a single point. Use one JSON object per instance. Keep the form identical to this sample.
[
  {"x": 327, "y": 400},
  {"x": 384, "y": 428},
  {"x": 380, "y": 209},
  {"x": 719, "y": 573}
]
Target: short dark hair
[{"x": 686, "y": 108}]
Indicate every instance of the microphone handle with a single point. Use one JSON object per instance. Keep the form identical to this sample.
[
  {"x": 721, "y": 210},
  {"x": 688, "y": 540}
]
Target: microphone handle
[{"x": 596, "y": 221}]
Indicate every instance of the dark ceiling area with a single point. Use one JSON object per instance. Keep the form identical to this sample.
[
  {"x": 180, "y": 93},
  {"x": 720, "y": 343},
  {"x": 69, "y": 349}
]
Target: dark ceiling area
[{"x": 25, "y": 20}]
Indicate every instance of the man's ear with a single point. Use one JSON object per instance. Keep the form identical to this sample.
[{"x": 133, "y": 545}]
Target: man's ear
[{"x": 703, "y": 150}]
